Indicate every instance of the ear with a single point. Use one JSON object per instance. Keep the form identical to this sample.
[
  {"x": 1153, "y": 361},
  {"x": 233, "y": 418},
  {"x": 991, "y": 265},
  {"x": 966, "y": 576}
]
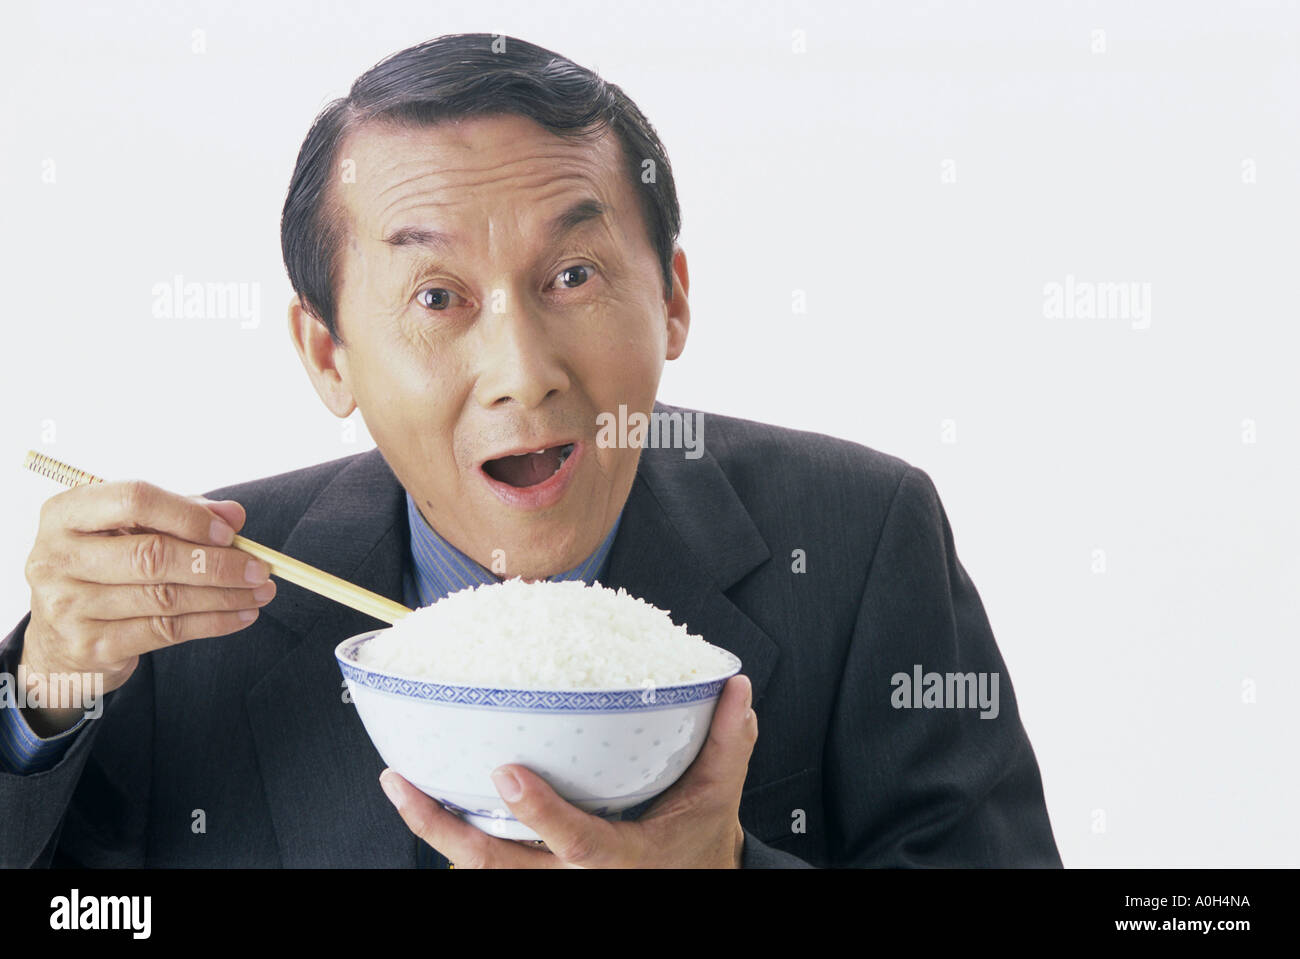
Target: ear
[
  {"x": 324, "y": 360},
  {"x": 679, "y": 309}
]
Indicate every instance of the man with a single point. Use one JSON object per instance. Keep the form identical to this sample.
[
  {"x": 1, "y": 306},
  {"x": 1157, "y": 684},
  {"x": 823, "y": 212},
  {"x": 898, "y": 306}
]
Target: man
[{"x": 481, "y": 238}]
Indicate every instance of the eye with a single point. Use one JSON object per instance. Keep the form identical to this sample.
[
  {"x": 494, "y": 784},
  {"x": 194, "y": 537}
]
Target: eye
[
  {"x": 435, "y": 298},
  {"x": 575, "y": 275}
]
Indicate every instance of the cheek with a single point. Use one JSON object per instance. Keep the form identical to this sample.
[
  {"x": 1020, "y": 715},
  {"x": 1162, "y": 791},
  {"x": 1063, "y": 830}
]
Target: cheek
[
  {"x": 401, "y": 376},
  {"x": 625, "y": 347}
]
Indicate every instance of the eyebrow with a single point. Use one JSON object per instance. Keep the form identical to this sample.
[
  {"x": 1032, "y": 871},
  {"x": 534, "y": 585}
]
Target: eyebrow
[{"x": 583, "y": 211}]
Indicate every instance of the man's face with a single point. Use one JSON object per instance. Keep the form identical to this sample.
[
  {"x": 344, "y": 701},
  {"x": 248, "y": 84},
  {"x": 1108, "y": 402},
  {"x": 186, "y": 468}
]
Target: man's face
[{"x": 497, "y": 291}]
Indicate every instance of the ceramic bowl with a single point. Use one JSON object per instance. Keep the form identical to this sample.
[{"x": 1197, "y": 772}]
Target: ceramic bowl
[{"x": 607, "y": 751}]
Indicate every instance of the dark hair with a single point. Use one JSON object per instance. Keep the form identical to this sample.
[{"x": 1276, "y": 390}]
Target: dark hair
[{"x": 454, "y": 76}]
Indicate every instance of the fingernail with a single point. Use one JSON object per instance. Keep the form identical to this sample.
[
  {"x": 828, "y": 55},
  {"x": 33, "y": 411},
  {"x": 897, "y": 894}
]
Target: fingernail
[
  {"x": 248, "y": 615},
  {"x": 507, "y": 784},
  {"x": 264, "y": 592},
  {"x": 255, "y": 571},
  {"x": 220, "y": 533},
  {"x": 390, "y": 788}
]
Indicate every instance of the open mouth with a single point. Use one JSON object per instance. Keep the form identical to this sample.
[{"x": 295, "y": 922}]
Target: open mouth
[{"x": 528, "y": 469}]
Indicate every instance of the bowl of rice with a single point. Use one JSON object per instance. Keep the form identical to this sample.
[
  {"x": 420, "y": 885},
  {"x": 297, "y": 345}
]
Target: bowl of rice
[{"x": 596, "y": 691}]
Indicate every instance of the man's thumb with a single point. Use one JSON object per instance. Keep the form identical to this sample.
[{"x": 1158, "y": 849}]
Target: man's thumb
[
  {"x": 733, "y": 732},
  {"x": 228, "y": 510}
]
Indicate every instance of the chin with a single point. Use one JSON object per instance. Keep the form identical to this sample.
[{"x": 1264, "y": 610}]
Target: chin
[{"x": 535, "y": 560}]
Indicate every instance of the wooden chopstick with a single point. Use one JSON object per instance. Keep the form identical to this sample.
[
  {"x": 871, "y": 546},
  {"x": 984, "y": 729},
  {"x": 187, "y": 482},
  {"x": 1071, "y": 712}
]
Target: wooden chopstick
[{"x": 286, "y": 567}]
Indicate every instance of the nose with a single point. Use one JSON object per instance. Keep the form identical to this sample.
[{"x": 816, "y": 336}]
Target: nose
[{"x": 518, "y": 359}]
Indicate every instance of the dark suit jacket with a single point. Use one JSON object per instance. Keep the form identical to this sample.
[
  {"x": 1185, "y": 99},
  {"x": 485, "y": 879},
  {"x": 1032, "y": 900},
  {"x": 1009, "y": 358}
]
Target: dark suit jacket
[{"x": 252, "y": 728}]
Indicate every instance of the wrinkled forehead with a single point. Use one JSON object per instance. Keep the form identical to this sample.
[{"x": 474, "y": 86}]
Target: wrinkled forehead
[{"x": 506, "y": 173}]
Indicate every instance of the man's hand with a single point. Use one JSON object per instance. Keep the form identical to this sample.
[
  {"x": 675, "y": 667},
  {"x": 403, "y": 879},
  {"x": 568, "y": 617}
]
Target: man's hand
[
  {"x": 694, "y": 824},
  {"x": 120, "y": 569}
]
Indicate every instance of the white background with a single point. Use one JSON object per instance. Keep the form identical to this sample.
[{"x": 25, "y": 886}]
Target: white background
[{"x": 820, "y": 171}]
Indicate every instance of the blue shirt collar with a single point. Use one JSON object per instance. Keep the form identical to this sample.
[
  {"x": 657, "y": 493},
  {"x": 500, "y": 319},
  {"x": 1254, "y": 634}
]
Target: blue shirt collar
[{"x": 438, "y": 568}]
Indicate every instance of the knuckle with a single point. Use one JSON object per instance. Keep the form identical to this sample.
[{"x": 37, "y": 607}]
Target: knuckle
[
  {"x": 149, "y": 556},
  {"x": 102, "y": 646},
  {"x": 58, "y": 604},
  {"x": 96, "y": 649},
  {"x": 165, "y": 596},
  {"x": 166, "y": 628},
  {"x": 42, "y": 566},
  {"x": 134, "y": 496}
]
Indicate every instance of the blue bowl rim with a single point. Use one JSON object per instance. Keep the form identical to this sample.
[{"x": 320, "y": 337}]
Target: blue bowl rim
[{"x": 582, "y": 700}]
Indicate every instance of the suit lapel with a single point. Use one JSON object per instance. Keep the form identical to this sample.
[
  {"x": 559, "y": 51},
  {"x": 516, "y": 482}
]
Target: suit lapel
[
  {"x": 685, "y": 538},
  {"x": 319, "y": 767}
]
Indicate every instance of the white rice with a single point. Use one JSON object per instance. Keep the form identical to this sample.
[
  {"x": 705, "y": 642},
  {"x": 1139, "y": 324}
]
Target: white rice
[{"x": 564, "y": 635}]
